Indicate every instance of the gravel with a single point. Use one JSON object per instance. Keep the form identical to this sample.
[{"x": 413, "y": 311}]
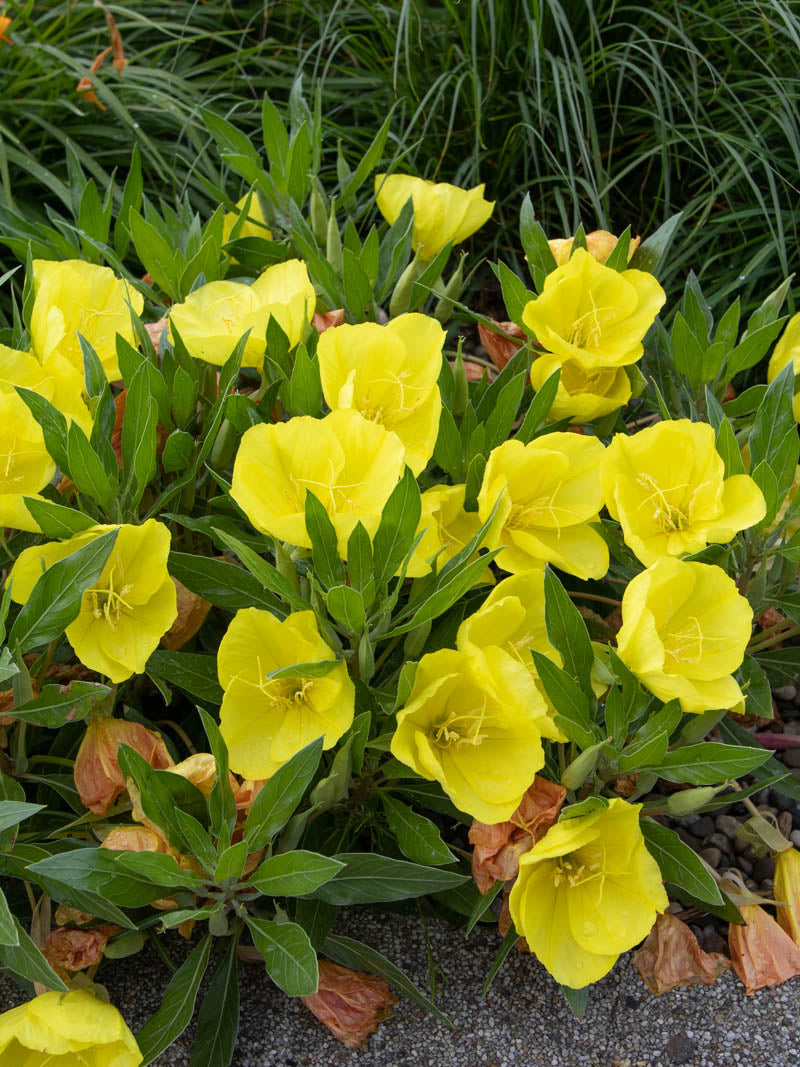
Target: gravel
[{"x": 524, "y": 1021}]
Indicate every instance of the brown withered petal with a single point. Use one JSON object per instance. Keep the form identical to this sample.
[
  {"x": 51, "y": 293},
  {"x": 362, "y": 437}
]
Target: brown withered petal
[
  {"x": 497, "y": 848},
  {"x": 75, "y": 950},
  {"x": 65, "y": 915},
  {"x": 323, "y": 320},
  {"x": 120, "y": 62},
  {"x": 671, "y": 957},
  {"x": 135, "y": 839},
  {"x": 352, "y": 1005},
  {"x": 500, "y": 349},
  {"x": 200, "y": 769},
  {"x": 98, "y": 777},
  {"x": 156, "y": 329},
  {"x": 762, "y": 954},
  {"x": 626, "y": 784},
  {"x": 5, "y": 22},
  {"x": 192, "y": 612},
  {"x": 246, "y": 792}
]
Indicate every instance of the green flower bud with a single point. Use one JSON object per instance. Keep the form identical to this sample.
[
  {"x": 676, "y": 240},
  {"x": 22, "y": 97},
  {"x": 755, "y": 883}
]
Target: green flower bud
[
  {"x": 452, "y": 291},
  {"x": 582, "y": 767}
]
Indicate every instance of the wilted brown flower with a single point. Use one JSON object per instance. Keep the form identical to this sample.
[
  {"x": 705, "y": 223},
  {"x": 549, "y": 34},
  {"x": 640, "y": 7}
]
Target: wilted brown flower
[
  {"x": 65, "y": 915},
  {"x": 671, "y": 957},
  {"x": 192, "y": 612},
  {"x": 500, "y": 349},
  {"x": 135, "y": 839},
  {"x": 5, "y": 22},
  {"x": 762, "y": 953},
  {"x": 98, "y": 777},
  {"x": 323, "y": 320},
  {"x": 352, "y": 1005},
  {"x": 497, "y": 848},
  {"x": 75, "y": 950}
]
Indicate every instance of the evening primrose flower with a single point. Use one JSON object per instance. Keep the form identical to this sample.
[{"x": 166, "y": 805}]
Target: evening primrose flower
[
  {"x": 98, "y": 777},
  {"x": 442, "y": 212},
  {"x": 586, "y": 892},
  {"x": 25, "y": 465},
  {"x": 211, "y": 320},
  {"x": 684, "y": 631},
  {"x": 350, "y": 464},
  {"x": 56, "y": 379},
  {"x": 666, "y": 486},
  {"x": 265, "y": 721},
  {"x": 786, "y": 351},
  {"x": 389, "y": 374},
  {"x": 253, "y": 226},
  {"x": 594, "y": 314},
  {"x": 469, "y": 725},
  {"x": 68, "y": 1029},
  {"x": 583, "y": 394},
  {"x": 73, "y": 297},
  {"x": 599, "y": 244},
  {"x": 549, "y": 492},
  {"x": 123, "y": 617},
  {"x": 448, "y": 528}
]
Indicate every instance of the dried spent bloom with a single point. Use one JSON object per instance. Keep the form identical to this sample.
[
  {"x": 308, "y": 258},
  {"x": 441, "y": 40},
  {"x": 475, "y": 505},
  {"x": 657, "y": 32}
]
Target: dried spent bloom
[
  {"x": 671, "y": 957},
  {"x": 192, "y": 612},
  {"x": 389, "y": 375},
  {"x": 549, "y": 494},
  {"x": 442, "y": 212},
  {"x": 351, "y": 1004},
  {"x": 599, "y": 244},
  {"x": 594, "y": 314},
  {"x": 98, "y": 777},
  {"x": 67, "y": 1029},
  {"x": 685, "y": 628},
  {"x": 75, "y": 950},
  {"x": 666, "y": 486},
  {"x": 501, "y": 349},
  {"x": 762, "y": 954},
  {"x": 497, "y": 848}
]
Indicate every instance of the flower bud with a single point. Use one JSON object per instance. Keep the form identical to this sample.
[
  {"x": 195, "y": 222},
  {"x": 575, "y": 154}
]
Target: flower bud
[
  {"x": 318, "y": 214},
  {"x": 452, "y": 291},
  {"x": 98, "y": 777},
  {"x": 333, "y": 242},
  {"x": 582, "y": 767},
  {"x": 352, "y": 1005},
  {"x": 400, "y": 301},
  {"x": 192, "y": 612},
  {"x": 689, "y": 800}
]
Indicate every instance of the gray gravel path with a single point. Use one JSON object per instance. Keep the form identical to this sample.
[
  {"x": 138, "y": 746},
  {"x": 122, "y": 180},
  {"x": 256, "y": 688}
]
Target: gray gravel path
[{"x": 524, "y": 1020}]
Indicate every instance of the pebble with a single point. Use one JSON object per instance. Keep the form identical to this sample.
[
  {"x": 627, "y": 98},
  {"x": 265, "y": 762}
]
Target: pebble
[
  {"x": 745, "y": 866},
  {"x": 703, "y": 827},
  {"x": 680, "y": 1048},
  {"x": 785, "y": 823},
  {"x": 712, "y": 856},
  {"x": 794, "y": 837},
  {"x": 781, "y": 802},
  {"x": 791, "y": 757},
  {"x": 785, "y": 693},
  {"x": 714, "y": 942},
  {"x": 728, "y": 825},
  {"x": 719, "y": 841},
  {"x": 740, "y": 846},
  {"x": 763, "y": 869},
  {"x": 791, "y": 728}
]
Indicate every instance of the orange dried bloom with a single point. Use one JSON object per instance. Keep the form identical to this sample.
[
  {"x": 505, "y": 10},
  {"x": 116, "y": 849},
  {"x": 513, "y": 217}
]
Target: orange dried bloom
[
  {"x": 192, "y": 612},
  {"x": 98, "y": 777},
  {"x": 352, "y": 1005},
  {"x": 671, "y": 957},
  {"x": 498, "y": 847},
  {"x": 762, "y": 953},
  {"x": 135, "y": 839},
  {"x": 5, "y": 22},
  {"x": 501, "y": 349},
  {"x": 323, "y": 320},
  {"x": 75, "y": 950}
]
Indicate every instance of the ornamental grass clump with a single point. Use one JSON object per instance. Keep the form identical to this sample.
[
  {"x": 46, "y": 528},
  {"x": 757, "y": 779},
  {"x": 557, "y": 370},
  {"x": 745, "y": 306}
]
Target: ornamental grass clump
[{"x": 307, "y": 604}]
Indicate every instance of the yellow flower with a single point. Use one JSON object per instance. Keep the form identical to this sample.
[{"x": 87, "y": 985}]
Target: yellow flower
[
  {"x": 74, "y": 297},
  {"x": 25, "y": 466},
  {"x": 594, "y": 314},
  {"x": 586, "y": 892},
  {"x": 254, "y": 225},
  {"x": 470, "y": 725},
  {"x": 787, "y": 350},
  {"x": 550, "y": 492},
  {"x": 685, "y": 628},
  {"x": 442, "y": 212},
  {"x": 389, "y": 374},
  {"x": 582, "y": 394},
  {"x": 55, "y": 379},
  {"x": 69, "y": 1029},
  {"x": 266, "y": 721},
  {"x": 512, "y": 617},
  {"x": 350, "y": 465},
  {"x": 599, "y": 244},
  {"x": 667, "y": 487},
  {"x": 448, "y": 528},
  {"x": 213, "y": 318},
  {"x": 787, "y": 892},
  {"x": 121, "y": 619}
]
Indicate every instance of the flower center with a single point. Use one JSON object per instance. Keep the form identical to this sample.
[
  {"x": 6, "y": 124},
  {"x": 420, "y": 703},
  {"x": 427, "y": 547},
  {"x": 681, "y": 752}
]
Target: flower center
[
  {"x": 572, "y": 871},
  {"x": 685, "y": 645},
  {"x": 668, "y": 516},
  {"x": 288, "y": 692},
  {"x": 462, "y": 728},
  {"x": 107, "y": 603},
  {"x": 587, "y": 329}
]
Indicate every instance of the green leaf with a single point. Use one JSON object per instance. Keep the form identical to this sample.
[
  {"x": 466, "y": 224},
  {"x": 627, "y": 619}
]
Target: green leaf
[
  {"x": 57, "y": 523},
  {"x": 294, "y": 874},
  {"x": 289, "y": 956},
  {"x": 539, "y": 408},
  {"x": 177, "y": 1005},
  {"x": 55, "y": 600},
  {"x": 25, "y": 959},
  {"x": 573, "y": 712},
  {"x": 578, "y": 999},
  {"x": 53, "y": 424},
  {"x": 13, "y": 812},
  {"x": 324, "y": 542},
  {"x": 708, "y": 763},
  {"x": 194, "y": 672},
  {"x": 346, "y": 606},
  {"x": 139, "y": 438},
  {"x": 86, "y": 468},
  {"x": 223, "y": 584},
  {"x": 418, "y": 837},
  {"x": 57, "y": 704},
  {"x": 269, "y": 577},
  {"x": 359, "y": 558},
  {"x": 534, "y": 239},
  {"x": 112, "y": 875},
  {"x": 317, "y": 668},
  {"x": 280, "y": 796},
  {"x": 504, "y": 411},
  {"x": 9, "y": 933},
  {"x": 567, "y": 632},
  {"x": 305, "y": 387},
  {"x": 368, "y": 878},
  {"x": 368, "y": 162},
  {"x": 651, "y": 252},
  {"x": 163, "y": 795},
  {"x": 221, "y": 802},
  {"x": 231, "y": 863},
  {"x": 397, "y": 529},
  {"x": 350, "y": 953},
  {"x": 218, "y": 1018},
  {"x": 679, "y": 864}
]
